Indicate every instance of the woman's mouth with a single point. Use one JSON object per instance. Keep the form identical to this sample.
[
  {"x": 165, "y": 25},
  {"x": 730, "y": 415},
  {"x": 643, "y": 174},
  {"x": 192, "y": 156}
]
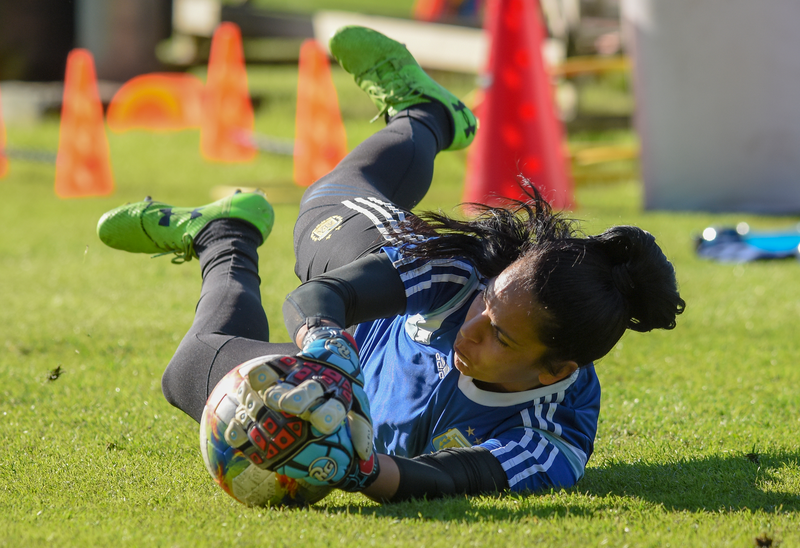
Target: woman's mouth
[{"x": 459, "y": 360}]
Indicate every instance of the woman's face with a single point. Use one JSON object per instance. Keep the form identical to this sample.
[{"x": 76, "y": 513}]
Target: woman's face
[{"x": 498, "y": 343}]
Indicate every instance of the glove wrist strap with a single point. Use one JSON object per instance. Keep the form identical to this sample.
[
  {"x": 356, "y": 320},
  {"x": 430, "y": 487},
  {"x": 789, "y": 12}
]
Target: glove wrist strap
[
  {"x": 363, "y": 473},
  {"x": 318, "y": 331}
]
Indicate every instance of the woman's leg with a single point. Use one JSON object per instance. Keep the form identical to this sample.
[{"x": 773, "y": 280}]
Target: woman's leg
[
  {"x": 230, "y": 326},
  {"x": 349, "y": 212},
  {"x": 395, "y": 163},
  {"x": 354, "y": 210}
]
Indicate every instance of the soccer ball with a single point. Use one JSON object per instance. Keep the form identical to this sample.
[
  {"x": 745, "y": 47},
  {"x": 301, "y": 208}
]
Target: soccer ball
[{"x": 230, "y": 468}]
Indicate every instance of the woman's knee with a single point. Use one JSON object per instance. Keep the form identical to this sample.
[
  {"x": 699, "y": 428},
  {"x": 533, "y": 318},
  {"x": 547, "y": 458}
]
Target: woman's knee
[{"x": 186, "y": 378}]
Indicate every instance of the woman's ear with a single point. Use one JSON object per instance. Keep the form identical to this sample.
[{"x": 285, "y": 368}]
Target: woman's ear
[{"x": 565, "y": 369}]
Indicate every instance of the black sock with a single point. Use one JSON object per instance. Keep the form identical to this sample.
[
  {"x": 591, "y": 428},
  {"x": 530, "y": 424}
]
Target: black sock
[
  {"x": 435, "y": 117},
  {"x": 225, "y": 230}
]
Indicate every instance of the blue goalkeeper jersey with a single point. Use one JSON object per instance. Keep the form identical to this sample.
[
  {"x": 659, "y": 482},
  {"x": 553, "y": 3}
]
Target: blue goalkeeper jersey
[{"x": 420, "y": 403}]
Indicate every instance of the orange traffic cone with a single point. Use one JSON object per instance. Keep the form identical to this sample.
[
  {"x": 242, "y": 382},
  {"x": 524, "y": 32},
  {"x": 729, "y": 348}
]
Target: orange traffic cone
[
  {"x": 83, "y": 164},
  {"x": 157, "y": 101},
  {"x": 228, "y": 118},
  {"x": 3, "y": 158},
  {"x": 428, "y": 10},
  {"x": 520, "y": 133},
  {"x": 320, "y": 138}
]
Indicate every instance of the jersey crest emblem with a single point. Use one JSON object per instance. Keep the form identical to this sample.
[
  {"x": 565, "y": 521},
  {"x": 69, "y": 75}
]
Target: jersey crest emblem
[
  {"x": 324, "y": 229},
  {"x": 451, "y": 438}
]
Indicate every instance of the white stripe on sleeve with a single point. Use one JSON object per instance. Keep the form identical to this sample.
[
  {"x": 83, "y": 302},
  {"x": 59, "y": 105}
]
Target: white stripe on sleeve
[{"x": 535, "y": 469}]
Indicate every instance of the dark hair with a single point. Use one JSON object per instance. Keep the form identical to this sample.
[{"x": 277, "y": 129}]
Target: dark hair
[{"x": 590, "y": 288}]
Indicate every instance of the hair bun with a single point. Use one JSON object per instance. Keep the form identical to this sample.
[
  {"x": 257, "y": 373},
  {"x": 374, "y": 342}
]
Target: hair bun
[
  {"x": 622, "y": 280},
  {"x": 643, "y": 276}
]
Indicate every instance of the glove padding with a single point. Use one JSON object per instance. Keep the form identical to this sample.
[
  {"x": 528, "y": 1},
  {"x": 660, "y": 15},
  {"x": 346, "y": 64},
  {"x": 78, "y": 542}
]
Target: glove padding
[
  {"x": 291, "y": 414},
  {"x": 332, "y": 461},
  {"x": 325, "y": 396}
]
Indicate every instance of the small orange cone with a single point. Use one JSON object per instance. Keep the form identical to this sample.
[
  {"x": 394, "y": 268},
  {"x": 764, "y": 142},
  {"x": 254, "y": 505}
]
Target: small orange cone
[
  {"x": 83, "y": 164},
  {"x": 428, "y": 10},
  {"x": 228, "y": 119},
  {"x": 520, "y": 132},
  {"x": 159, "y": 101},
  {"x": 3, "y": 159},
  {"x": 320, "y": 138}
]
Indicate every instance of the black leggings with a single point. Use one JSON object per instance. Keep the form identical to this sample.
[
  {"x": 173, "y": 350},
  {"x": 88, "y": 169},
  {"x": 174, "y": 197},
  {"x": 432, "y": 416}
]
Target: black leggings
[{"x": 394, "y": 165}]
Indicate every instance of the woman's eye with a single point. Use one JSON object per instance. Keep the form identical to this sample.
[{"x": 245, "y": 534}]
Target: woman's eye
[{"x": 497, "y": 336}]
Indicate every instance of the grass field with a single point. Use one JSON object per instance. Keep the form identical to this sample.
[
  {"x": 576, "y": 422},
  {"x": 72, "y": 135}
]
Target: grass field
[{"x": 697, "y": 442}]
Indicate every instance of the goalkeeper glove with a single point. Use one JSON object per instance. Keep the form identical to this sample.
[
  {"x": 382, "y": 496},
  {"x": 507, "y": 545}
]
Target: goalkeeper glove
[{"x": 322, "y": 385}]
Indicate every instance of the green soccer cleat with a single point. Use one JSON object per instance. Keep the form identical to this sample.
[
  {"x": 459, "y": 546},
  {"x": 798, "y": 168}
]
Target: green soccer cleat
[
  {"x": 158, "y": 228},
  {"x": 394, "y": 80}
]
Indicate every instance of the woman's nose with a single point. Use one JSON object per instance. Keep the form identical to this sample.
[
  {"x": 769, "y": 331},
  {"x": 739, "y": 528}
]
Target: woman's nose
[{"x": 470, "y": 330}]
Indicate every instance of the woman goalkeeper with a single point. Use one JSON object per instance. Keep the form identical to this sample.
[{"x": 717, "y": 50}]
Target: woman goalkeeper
[{"x": 476, "y": 338}]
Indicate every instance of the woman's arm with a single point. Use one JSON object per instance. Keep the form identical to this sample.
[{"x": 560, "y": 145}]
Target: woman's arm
[
  {"x": 366, "y": 289},
  {"x": 387, "y": 482},
  {"x": 466, "y": 470}
]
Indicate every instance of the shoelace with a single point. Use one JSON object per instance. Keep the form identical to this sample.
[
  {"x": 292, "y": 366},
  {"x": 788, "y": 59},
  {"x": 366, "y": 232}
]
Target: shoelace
[
  {"x": 186, "y": 251},
  {"x": 400, "y": 92},
  {"x": 183, "y": 255}
]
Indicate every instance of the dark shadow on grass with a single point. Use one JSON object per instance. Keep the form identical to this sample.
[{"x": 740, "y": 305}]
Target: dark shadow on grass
[
  {"x": 730, "y": 482},
  {"x": 724, "y": 483}
]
